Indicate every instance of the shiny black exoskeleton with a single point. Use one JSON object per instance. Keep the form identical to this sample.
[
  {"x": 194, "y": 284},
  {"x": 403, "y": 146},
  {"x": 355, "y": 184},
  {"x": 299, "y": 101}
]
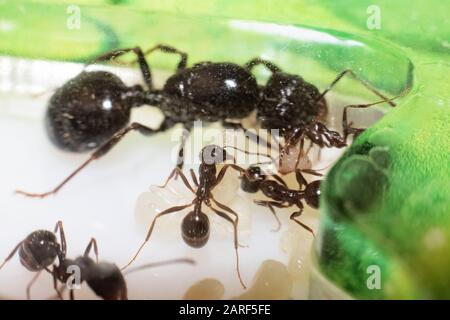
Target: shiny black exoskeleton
[
  {"x": 38, "y": 251},
  {"x": 254, "y": 180},
  {"x": 195, "y": 227}
]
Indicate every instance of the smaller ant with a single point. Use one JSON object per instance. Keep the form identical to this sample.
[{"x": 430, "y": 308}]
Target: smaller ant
[
  {"x": 104, "y": 278},
  {"x": 254, "y": 180},
  {"x": 38, "y": 251},
  {"x": 195, "y": 225}
]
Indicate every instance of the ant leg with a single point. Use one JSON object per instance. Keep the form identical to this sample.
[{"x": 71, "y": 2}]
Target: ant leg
[
  {"x": 236, "y": 243},
  {"x": 347, "y": 127},
  {"x": 250, "y": 153},
  {"x": 184, "y": 137},
  {"x": 92, "y": 243},
  {"x": 364, "y": 83},
  {"x": 13, "y": 252},
  {"x": 194, "y": 177},
  {"x": 72, "y": 294},
  {"x": 298, "y": 214},
  {"x": 31, "y": 284},
  {"x": 169, "y": 49},
  {"x": 270, "y": 204},
  {"x": 62, "y": 236},
  {"x": 257, "y": 61},
  {"x": 145, "y": 69},
  {"x": 301, "y": 179},
  {"x": 104, "y": 149},
  {"x": 178, "y": 172},
  {"x": 150, "y": 230},
  {"x": 224, "y": 169},
  {"x": 279, "y": 179}
]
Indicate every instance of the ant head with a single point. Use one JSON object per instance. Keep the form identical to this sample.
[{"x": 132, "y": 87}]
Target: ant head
[
  {"x": 88, "y": 109},
  {"x": 39, "y": 250},
  {"x": 289, "y": 101},
  {"x": 195, "y": 229},
  {"x": 213, "y": 154},
  {"x": 250, "y": 182},
  {"x": 312, "y": 194},
  {"x": 106, "y": 280}
]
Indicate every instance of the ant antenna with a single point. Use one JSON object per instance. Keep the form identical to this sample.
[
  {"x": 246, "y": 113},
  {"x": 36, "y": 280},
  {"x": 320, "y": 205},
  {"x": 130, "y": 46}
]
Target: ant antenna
[{"x": 159, "y": 264}]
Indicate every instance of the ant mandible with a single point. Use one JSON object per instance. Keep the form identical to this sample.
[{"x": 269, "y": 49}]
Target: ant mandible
[
  {"x": 281, "y": 196},
  {"x": 195, "y": 226}
]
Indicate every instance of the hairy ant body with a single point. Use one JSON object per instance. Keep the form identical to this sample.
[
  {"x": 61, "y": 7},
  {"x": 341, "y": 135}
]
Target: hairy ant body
[
  {"x": 254, "y": 180},
  {"x": 195, "y": 226}
]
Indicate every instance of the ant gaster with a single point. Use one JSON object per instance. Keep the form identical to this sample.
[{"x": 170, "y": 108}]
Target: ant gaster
[
  {"x": 195, "y": 226},
  {"x": 281, "y": 196},
  {"x": 297, "y": 108}
]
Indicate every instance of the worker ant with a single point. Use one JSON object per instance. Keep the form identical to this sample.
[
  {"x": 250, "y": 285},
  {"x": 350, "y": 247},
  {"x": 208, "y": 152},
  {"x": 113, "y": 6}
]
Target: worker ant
[
  {"x": 93, "y": 109},
  {"x": 195, "y": 226},
  {"x": 39, "y": 250},
  {"x": 254, "y": 180},
  {"x": 104, "y": 278}
]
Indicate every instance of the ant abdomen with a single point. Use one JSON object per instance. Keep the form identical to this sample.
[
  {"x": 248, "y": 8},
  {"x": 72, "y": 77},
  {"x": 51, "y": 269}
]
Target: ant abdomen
[
  {"x": 312, "y": 194},
  {"x": 87, "y": 110},
  {"x": 195, "y": 229},
  {"x": 39, "y": 250}
]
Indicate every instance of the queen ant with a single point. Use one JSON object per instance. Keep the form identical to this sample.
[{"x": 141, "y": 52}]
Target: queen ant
[{"x": 92, "y": 110}]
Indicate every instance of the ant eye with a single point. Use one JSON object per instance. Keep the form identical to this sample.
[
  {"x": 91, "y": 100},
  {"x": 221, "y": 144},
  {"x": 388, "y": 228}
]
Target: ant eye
[
  {"x": 312, "y": 193},
  {"x": 195, "y": 229}
]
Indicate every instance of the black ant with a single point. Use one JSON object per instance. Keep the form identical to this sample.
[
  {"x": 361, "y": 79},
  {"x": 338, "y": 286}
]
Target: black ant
[
  {"x": 93, "y": 109},
  {"x": 104, "y": 278},
  {"x": 39, "y": 250},
  {"x": 195, "y": 225},
  {"x": 254, "y": 180},
  {"x": 298, "y": 109}
]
